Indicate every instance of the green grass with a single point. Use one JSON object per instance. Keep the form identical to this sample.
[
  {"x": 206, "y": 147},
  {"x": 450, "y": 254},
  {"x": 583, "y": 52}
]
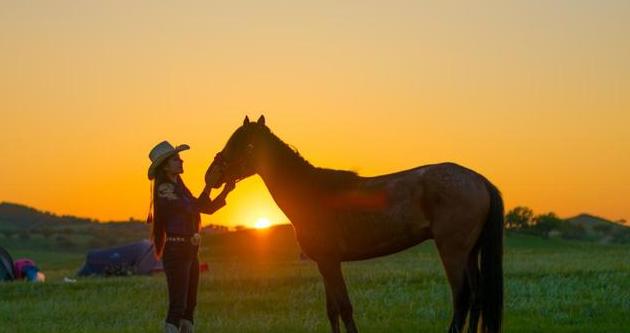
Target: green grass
[{"x": 551, "y": 286}]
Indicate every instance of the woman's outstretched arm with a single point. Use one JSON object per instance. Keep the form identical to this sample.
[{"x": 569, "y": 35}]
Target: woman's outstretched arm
[{"x": 208, "y": 206}]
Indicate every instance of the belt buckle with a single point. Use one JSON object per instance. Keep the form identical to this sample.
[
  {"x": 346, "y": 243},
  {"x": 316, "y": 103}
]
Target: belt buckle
[{"x": 195, "y": 239}]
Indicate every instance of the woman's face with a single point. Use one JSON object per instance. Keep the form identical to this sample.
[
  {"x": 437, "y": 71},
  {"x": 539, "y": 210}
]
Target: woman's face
[{"x": 174, "y": 165}]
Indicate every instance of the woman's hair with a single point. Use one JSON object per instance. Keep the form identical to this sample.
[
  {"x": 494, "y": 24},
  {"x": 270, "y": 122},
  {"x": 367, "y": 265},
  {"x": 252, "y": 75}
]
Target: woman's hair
[{"x": 158, "y": 231}]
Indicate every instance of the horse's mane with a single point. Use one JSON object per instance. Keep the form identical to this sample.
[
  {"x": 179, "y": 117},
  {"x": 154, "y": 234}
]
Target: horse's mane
[{"x": 290, "y": 157}]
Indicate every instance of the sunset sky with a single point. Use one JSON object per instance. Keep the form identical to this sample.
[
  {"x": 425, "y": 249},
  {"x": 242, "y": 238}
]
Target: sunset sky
[{"x": 535, "y": 95}]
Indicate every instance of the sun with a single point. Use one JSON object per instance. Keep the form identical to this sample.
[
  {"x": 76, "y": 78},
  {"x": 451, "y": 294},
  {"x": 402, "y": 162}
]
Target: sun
[{"x": 262, "y": 223}]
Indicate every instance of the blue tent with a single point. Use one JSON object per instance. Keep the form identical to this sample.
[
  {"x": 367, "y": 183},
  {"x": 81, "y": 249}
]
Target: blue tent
[{"x": 131, "y": 259}]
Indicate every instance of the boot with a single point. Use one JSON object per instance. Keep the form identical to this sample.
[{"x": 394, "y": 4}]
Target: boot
[
  {"x": 170, "y": 328},
  {"x": 186, "y": 326}
]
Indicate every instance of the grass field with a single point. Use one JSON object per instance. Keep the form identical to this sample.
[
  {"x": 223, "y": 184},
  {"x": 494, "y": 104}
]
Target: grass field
[{"x": 257, "y": 283}]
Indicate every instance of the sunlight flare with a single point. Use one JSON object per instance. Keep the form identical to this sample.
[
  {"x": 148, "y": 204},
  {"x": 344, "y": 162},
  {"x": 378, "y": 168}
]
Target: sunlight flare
[{"x": 262, "y": 223}]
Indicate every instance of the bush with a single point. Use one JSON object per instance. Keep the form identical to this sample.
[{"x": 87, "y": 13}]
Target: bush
[
  {"x": 545, "y": 223},
  {"x": 519, "y": 218}
]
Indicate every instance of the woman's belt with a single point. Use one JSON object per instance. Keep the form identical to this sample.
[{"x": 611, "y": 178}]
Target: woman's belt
[{"x": 194, "y": 239}]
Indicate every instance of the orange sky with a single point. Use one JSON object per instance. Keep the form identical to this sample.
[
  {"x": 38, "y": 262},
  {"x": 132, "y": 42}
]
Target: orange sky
[{"x": 534, "y": 95}]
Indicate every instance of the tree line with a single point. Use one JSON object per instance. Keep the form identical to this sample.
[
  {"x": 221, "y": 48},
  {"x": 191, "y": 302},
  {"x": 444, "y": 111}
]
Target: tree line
[{"x": 522, "y": 219}]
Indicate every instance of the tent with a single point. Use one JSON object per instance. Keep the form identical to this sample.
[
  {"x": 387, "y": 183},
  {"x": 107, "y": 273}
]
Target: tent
[
  {"x": 131, "y": 259},
  {"x": 6, "y": 266}
]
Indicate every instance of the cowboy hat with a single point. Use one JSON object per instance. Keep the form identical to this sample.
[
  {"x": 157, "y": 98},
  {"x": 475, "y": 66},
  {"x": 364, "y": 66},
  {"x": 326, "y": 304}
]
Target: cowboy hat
[{"x": 160, "y": 153}]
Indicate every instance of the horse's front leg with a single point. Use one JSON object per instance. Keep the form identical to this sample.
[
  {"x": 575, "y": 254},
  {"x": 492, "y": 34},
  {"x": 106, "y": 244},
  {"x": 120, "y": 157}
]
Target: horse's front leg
[
  {"x": 337, "y": 299},
  {"x": 332, "y": 309}
]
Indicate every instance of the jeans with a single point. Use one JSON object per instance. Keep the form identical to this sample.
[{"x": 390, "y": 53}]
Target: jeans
[
  {"x": 181, "y": 266},
  {"x": 30, "y": 273}
]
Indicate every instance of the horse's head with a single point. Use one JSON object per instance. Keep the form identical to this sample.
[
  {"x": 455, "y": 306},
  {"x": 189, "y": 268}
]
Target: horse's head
[{"x": 238, "y": 159}]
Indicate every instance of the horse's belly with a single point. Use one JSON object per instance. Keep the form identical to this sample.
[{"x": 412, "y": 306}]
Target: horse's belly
[{"x": 363, "y": 236}]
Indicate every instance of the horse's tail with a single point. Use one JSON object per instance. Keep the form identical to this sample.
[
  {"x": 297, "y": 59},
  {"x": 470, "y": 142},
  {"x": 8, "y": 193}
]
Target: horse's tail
[{"x": 491, "y": 264}]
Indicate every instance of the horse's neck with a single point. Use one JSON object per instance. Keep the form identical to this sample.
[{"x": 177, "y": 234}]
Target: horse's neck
[{"x": 289, "y": 181}]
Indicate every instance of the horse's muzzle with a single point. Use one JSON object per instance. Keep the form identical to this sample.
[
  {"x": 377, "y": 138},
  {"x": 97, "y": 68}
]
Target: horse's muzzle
[{"x": 214, "y": 176}]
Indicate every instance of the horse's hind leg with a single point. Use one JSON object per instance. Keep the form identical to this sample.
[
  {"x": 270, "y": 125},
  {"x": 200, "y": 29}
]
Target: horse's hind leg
[
  {"x": 455, "y": 261},
  {"x": 473, "y": 276}
]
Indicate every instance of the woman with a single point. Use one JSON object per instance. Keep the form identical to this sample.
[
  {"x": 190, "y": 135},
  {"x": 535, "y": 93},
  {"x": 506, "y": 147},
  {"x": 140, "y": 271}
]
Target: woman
[{"x": 175, "y": 231}]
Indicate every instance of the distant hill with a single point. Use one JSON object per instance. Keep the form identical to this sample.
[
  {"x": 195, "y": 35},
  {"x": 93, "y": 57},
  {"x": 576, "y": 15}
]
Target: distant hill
[
  {"x": 24, "y": 217},
  {"x": 601, "y": 229},
  {"x": 588, "y": 220},
  {"x": 26, "y": 226}
]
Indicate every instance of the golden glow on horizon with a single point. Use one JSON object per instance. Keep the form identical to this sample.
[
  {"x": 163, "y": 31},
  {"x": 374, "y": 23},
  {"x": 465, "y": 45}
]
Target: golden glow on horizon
[
  {"x": 541, "y": 109},
  {"x": 262, "y": 223}
]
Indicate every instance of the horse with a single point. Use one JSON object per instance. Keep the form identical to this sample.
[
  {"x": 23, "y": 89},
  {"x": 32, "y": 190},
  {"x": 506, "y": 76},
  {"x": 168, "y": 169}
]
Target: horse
[{"x": 340, "y": 216}]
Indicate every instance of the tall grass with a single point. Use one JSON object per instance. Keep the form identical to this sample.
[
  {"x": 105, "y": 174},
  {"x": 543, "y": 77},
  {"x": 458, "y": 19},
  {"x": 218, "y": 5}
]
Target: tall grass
[{"x": 256, "y": 285}]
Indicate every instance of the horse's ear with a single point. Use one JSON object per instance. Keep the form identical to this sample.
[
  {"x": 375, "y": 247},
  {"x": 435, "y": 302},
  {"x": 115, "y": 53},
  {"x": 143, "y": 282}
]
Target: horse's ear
[
  {"x": 246, "y": 121},
  {"x": 261, "y": 120}
]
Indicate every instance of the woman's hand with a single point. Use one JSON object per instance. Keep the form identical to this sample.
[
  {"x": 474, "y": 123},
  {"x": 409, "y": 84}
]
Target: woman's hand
[
  {"x": 229, "y": 186},
  {"x": 206, "y": 190}
]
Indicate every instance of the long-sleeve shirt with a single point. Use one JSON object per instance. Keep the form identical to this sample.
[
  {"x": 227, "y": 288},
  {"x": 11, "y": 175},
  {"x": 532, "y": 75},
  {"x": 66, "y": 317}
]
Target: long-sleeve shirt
[{"x": 181, "y": 210}]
